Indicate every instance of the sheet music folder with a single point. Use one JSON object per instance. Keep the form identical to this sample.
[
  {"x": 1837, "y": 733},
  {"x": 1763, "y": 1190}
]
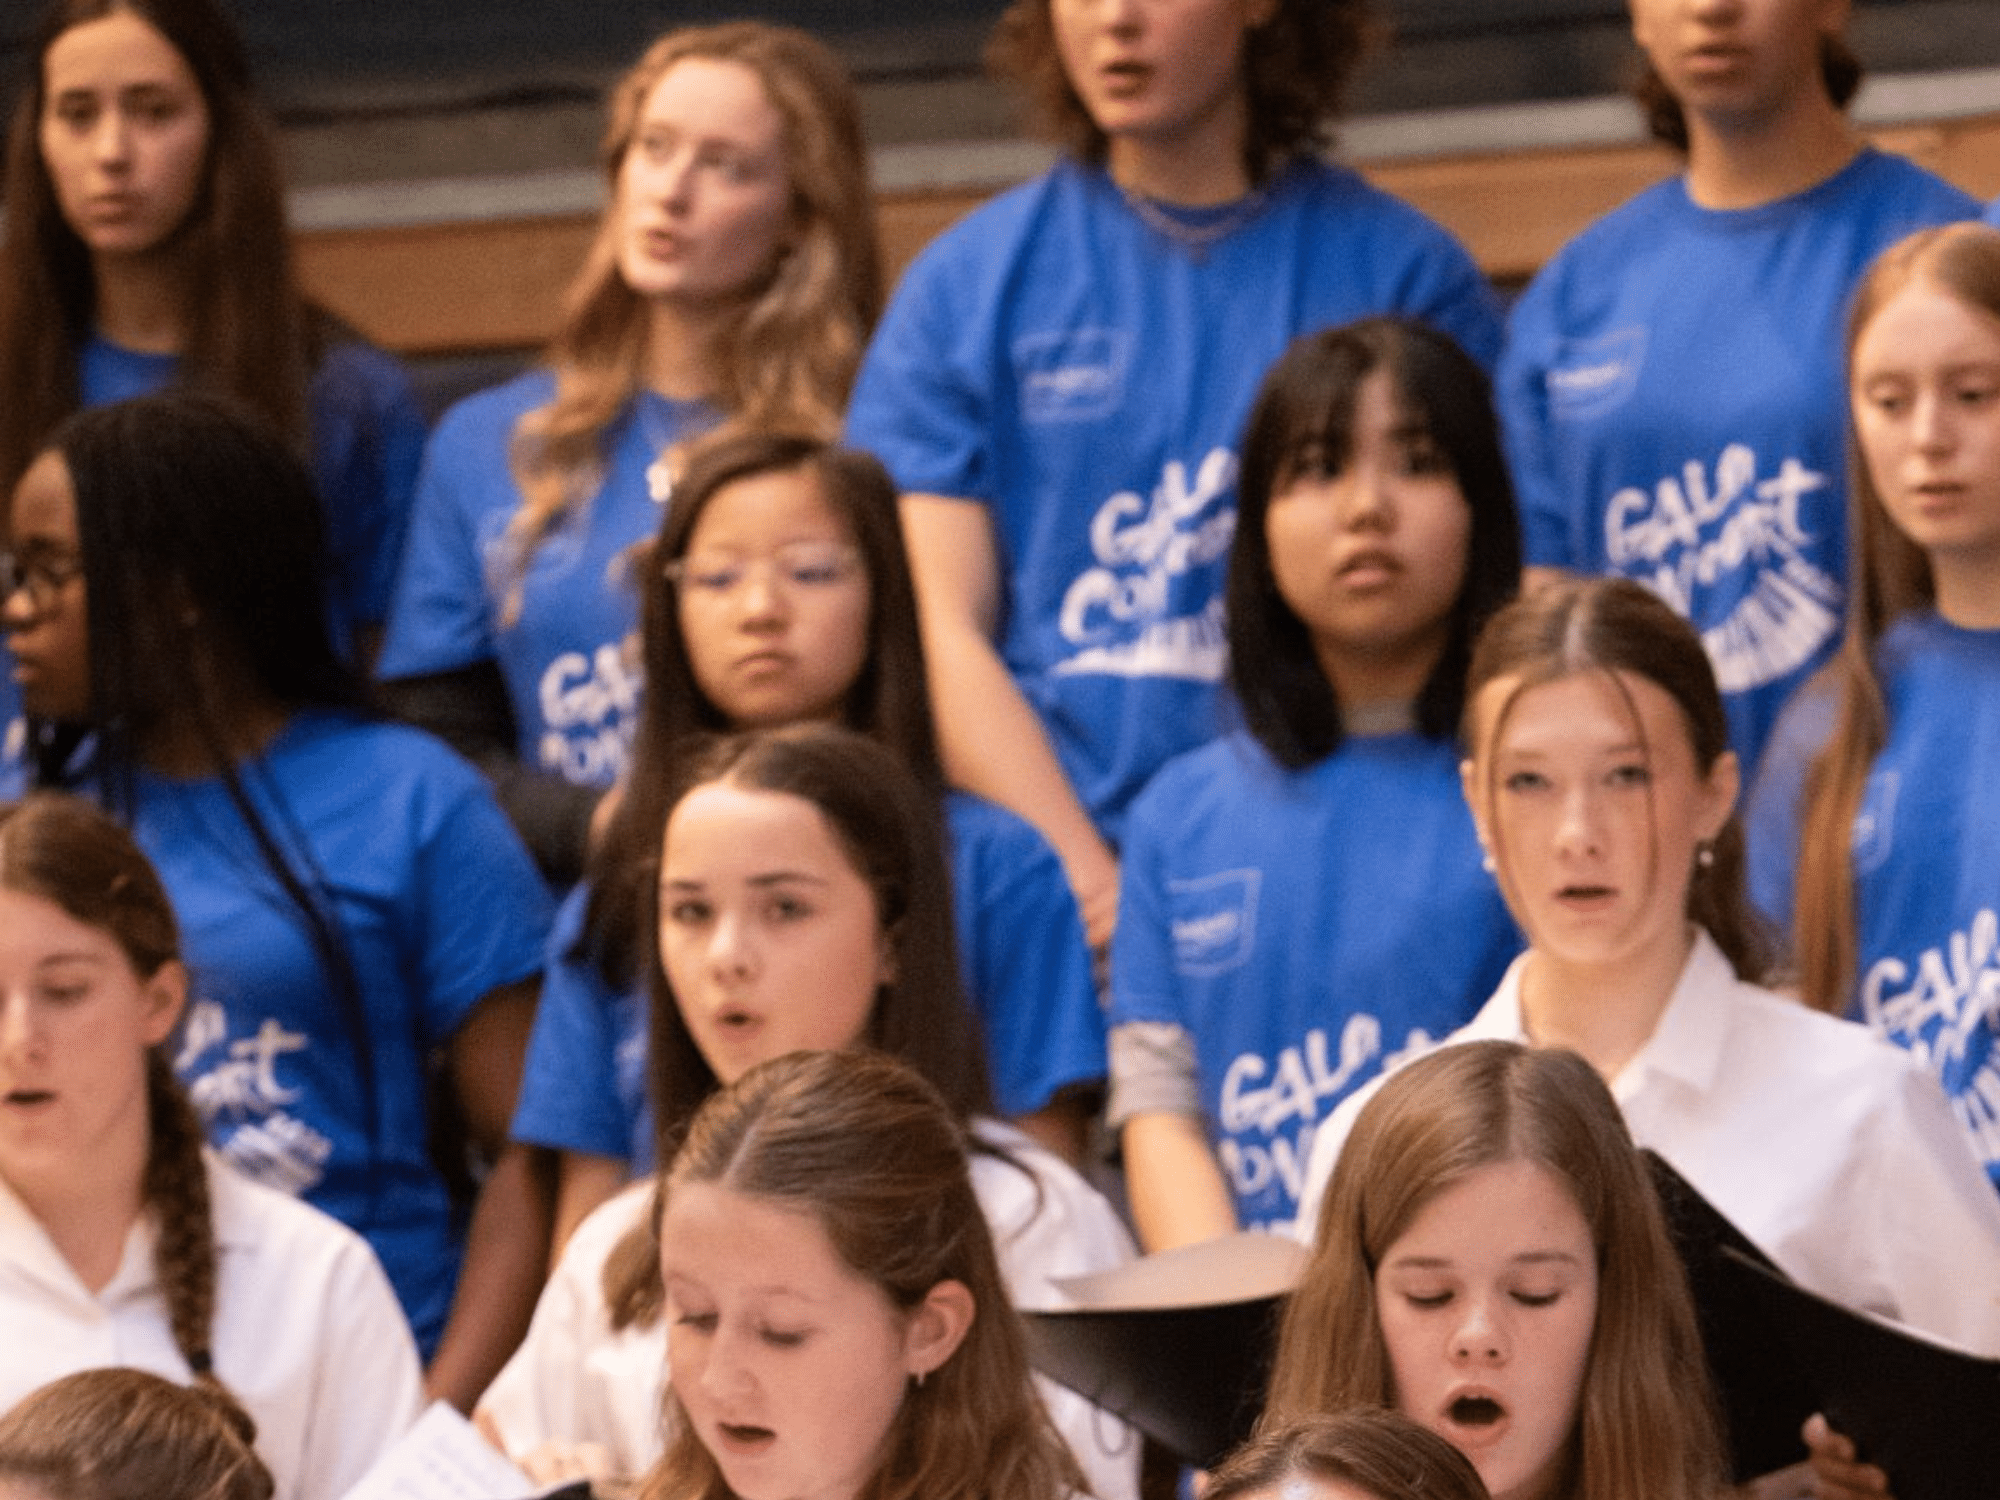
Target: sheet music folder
[
  {"x": 1179, "y": 1344},
  {"x": 1927, "y": 1413}
]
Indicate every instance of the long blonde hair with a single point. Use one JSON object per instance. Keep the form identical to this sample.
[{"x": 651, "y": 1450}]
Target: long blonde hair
[
  {"x": 1646, "y": 1426},
  {"x": 1891, "y": 577},
  {"x": 787, "y": 360}
]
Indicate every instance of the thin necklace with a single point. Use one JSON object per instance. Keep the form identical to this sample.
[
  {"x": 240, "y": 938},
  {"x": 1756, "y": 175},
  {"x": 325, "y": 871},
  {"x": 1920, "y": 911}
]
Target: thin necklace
[{"x": 1195, "y": 238}]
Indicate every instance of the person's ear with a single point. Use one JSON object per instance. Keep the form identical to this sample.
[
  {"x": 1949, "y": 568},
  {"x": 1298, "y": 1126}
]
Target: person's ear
[
  {"x": 166, "y": 997},
  {"x": 1720, "y": 788},
  {"x": 937, "y": 1327},
  {"x": 1468, "y": 783}
]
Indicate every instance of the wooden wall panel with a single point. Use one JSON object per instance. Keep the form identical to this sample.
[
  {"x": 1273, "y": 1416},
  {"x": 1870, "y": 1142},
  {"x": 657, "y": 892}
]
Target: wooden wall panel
[{"x": 492, "y": 285}]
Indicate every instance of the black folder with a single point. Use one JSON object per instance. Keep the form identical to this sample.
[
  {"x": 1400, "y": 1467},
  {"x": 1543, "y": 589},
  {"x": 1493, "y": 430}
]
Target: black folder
[
  {"x": 1186, "y": 1366},
  {"x": 1927, "y": 1413}
]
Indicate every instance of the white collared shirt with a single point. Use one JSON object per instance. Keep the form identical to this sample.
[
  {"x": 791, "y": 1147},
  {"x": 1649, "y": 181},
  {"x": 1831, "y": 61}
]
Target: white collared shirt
[
  {"x": 575, "y": 1380},
  {"x": 1833, "y": 1150},
  {"x": 307, "y": 1335}
]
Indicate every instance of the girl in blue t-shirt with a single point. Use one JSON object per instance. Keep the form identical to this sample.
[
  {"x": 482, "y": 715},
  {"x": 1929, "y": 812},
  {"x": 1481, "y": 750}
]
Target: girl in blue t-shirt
[
  {"x": 797, "y": 899},
  {"x": 1304, "y": 898},
  {"x": 146, "y": 245},
  {"x": 1671, "y": 385},
  {"x": 1875, "y": 825},
  {"x": 779, "y": 593},
  {"x": 733, "y": 280},
  {"x": 1059, "y": 384},
  {"x": 363, "y": 930}
]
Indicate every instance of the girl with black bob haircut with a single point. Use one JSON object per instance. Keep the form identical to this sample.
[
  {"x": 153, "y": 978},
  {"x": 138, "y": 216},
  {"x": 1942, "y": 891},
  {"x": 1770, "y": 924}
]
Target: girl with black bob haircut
[
  {"x": 353, "y": 903},
  {"x": 1375, "y": 533},
  {"x": 1306, "y": 417}
]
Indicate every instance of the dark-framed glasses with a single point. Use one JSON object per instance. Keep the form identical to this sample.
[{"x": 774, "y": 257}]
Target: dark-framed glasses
[{"x": 41, "y": 575}]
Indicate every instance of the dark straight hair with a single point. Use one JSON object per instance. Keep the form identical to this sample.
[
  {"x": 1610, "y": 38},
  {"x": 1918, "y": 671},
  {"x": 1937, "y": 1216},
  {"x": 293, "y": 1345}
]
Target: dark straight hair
[
  {"x": 1303, "y": 421},
  {"x": 250, "y": 331},
  {"x": 203, "y": 547},
  {"x": 888, "y": 701}
]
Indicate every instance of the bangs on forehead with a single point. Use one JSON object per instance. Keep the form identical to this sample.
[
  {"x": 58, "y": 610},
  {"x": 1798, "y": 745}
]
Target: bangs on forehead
[{"x": 1317, "y": 422}]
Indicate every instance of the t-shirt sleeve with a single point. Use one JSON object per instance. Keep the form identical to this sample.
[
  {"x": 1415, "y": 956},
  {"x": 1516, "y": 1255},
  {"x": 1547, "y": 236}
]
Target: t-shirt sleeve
[
  {"x": 1520, "y": 394},
  {"x": 569, "y": 1087},
  {"x": 1027, "y": 961},
  {"x": 1454, "y": 295},
  {"x": 1144, "y": 984},
  {"x": 441, "y": 616},
  {"x": 368, "y": 444},
  {"x": 480, "y": 912},
  {"x": 922, "y": 400}
]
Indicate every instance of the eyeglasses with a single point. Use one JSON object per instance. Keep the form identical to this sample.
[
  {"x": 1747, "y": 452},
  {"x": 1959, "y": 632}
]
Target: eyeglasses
[
  {"x": 42, "y": 576},
  {"x": 799, "y": 565}
]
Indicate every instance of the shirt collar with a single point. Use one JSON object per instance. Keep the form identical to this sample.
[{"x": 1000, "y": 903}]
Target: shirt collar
[{"x": 1687, "y": 1043}]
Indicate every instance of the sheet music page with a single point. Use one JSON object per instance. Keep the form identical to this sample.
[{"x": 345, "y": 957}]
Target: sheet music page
[{"x": 443, "y": 1457}]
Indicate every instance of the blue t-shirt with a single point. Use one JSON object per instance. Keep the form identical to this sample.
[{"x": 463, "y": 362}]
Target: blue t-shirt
[
  {"x": 1675, "y": 411},
  {"x": 1926, "y": 856},
  {"x": 367, "y": 441},
  {"x": 1086, "y": 378},
  {"x": 1021, "y": 947},
  {"x": 571, "y": 679},
  {"x": 438, "y": 904},
  {"x": 1303, "y": 927}
]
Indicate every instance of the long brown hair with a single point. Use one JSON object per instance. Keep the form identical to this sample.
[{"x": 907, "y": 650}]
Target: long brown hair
[
  {"x": 789, "y": 358},
  {"x": 115, "y": 1433},
  {"x": 1614, "y": 627},
  {"x": 1646, "y": 1427},
  {"x": 888, "y": 700},
  {"x": 889, "y": 827},
  {"x": 66, "y": 851},
  {"x": 250, "y": 332},
  {"x": 876, "y": 1157},
  {"x": 1891, "y": 577}
]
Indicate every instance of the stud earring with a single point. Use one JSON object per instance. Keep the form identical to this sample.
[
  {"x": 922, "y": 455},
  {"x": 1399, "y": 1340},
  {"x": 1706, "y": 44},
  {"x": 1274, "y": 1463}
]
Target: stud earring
[
  {"x": 1704, "y": 855},
  {"x": 1487, "y": 862}
]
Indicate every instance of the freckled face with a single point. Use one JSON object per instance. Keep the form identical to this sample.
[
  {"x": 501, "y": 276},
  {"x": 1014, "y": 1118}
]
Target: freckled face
[
  {"x": 1487, "y": 1303},
  {"x": 791, "y": 1366}
]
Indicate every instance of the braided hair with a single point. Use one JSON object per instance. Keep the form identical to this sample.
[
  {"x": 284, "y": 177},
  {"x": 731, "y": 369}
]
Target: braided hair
[{"x": 67, "y": 852}]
